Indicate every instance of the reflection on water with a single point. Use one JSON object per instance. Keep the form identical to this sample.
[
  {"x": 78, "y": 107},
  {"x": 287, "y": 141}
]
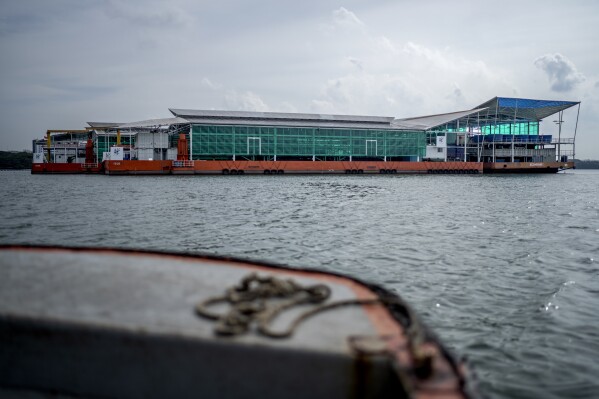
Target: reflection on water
[{"x": 504, "y": 268}]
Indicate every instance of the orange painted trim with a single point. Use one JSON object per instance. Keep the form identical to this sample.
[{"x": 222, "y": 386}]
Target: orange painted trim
[
  {"x": 528, "y": 165},
  {"x": 63, "y": 168},
  {"x": 324, "y": 167},
  {"x": 133, "y": 167},
  {"x": 137, "y": 167}
]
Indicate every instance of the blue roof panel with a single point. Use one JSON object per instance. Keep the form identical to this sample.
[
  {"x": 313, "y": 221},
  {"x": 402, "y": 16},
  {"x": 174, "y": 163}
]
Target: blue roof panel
[
  {"x": 507, "y": 108},
  {"x": 527, "y": 103}
]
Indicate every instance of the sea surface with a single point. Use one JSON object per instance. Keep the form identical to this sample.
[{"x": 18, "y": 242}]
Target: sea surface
[{"x": 505, "y": 269}]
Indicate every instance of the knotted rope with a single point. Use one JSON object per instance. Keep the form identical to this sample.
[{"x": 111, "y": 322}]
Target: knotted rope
[{"x": 260, "y": 300}]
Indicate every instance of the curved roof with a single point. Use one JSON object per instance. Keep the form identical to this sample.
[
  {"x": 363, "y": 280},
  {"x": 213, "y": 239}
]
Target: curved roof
[
  {"x": 506, "y": 108},
  {"x": 249, "y": 117},
  {"x": 154, "y": 123},
  {"x": 431, "y": 121},
  {"x": 498, "y": 110},
  {"x": 100, "y": 125}
]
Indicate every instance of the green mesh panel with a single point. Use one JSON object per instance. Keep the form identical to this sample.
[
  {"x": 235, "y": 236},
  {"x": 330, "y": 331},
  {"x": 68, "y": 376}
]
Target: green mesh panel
[{"x": 221, "y": 142}]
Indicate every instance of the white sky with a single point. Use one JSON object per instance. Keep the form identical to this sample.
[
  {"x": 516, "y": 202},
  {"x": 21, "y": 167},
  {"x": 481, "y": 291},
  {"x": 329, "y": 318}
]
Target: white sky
[{"x": 66, "y": 62}]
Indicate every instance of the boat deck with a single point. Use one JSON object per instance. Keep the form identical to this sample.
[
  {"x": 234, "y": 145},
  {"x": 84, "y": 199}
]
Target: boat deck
[{"x": 122, "y": 324}]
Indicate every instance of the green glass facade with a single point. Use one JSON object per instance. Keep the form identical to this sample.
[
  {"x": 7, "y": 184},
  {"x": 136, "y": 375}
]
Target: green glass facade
[
  {"x": 261, "y": 142},
  {"x": 521, "y": 128},
  {"x": 524, "y": 128}
]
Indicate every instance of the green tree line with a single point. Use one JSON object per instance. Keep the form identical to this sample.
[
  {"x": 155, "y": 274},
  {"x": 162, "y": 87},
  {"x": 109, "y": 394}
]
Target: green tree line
[
  {"x": 15, "y": 159},
  {"x": 586, "y": 164}
]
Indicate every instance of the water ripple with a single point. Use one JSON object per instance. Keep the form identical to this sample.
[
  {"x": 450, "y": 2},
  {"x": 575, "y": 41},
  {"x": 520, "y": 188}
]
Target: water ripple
[{"x": 504, "y": 268}]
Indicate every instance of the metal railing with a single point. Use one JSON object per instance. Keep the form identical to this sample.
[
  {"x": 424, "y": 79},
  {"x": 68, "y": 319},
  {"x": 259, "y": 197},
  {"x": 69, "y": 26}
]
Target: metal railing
[
  {"x": 562, "y": 141},
  {"x": 520, "y": 152},
  {"x": 520, "y": 139},
  {"x": 183, "y": 164},
  {"x": 89, "y": 165}
]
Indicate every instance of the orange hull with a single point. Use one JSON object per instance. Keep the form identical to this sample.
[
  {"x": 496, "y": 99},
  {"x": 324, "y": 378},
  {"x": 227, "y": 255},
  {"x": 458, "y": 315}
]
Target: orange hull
[
  {"x": 137, "y": 167},
  {"x": 526, "y": 167},
  {"x": 65, "y": 168},
  {"x": 128, "y": 167},
  {"x": 325, "y": 167}
]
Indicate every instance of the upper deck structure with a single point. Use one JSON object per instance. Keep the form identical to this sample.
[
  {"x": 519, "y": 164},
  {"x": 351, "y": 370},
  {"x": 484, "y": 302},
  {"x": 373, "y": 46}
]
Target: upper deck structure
[{"x": 500, "y": 131}]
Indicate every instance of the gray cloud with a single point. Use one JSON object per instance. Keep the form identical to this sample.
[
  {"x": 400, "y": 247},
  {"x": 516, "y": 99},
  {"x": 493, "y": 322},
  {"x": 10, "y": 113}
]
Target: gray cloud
[
  {"x": 346, "y": 18},
  {"x": 20, "y": 23},
  {"x": 357, "y": 63},
  {"x": 157, "y": 15},
  {"x": 246, "y": 101},
  {"x": 562, "y": 72},
  {"x": 68, "y": 61},
  {"x": 457, "y": 95}
]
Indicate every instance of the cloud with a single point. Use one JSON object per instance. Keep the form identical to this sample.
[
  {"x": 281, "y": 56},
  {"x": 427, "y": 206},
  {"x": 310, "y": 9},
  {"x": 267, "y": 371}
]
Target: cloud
[
  {"x": 107, "y": 59},
  {"x": 246, "y": 101},
  {"x": 19, "y": 23},
  {"x": 344, "y": 18},
  {"x": 562, "y": 72},
  {"x": 399, "y": 79},
  {"x": 456, "y": 95},
  {"x": 322, "y": 106},
  {"x": 154, "y": 15},
  {"x": 286, "y": 106},
  {"x": 357, "y": 63},
  {"x": 210, "y": 84},
  {"x": 370, "y": 93}
]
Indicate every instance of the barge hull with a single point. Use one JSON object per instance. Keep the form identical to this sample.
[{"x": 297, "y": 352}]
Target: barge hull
[
  {"x": 230, "y": 167},
  {"x": 526, "y": 167},
  {"x": 137, "y": 167},
  {"x": 66, "y": 168},
  {"x": 327, "y": 167}
]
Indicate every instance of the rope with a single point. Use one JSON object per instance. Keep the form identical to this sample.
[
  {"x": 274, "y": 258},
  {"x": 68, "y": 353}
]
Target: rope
[{"x": 261, "y": 300}]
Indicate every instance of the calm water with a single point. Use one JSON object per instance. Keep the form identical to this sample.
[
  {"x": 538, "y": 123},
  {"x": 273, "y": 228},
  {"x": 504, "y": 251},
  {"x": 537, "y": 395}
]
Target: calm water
[{"x": 504, "y": 268}]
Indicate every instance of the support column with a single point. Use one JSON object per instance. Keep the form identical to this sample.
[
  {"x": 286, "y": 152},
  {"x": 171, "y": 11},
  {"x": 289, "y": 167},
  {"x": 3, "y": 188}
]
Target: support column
[
  {"x": 560, "y": 120},
  {"x": 575, "y": 129},
  {"x": 49, "y": 146},
  {"x": 465, "y": 143},
  {"x": 190, "y": 142},
  {"x": 445, "y": 150}
]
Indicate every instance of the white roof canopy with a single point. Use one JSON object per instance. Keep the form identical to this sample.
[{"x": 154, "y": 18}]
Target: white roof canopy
[
  {"x": 431, "y": 121},
  {"x": 154, "y": 123}
]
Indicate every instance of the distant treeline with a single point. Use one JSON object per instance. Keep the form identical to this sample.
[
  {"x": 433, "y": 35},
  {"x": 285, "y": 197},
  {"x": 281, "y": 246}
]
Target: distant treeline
[
  {"x": 15, "y": 160},
  {"x": 586, "y": 164}
]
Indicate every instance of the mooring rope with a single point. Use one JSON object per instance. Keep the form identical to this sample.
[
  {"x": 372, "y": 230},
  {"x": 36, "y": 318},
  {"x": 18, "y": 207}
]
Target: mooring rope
[{"x": 260, "y": 300}]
